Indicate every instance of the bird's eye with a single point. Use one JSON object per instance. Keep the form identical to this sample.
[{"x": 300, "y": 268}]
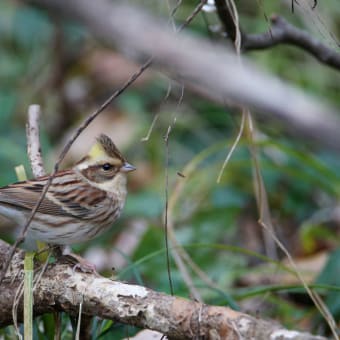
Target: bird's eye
[{"x": 106, "y": 166}]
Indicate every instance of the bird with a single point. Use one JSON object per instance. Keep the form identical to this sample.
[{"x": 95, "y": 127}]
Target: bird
[{"x": 81, "y": 202}]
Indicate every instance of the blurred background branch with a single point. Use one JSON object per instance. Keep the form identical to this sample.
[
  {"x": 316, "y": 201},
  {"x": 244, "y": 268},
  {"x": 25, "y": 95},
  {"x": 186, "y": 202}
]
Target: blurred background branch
[{"x": 208, "y": 69}]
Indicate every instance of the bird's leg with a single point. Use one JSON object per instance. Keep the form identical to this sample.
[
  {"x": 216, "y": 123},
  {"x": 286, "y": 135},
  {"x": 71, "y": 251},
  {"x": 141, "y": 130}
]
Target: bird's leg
[
  {"x": 57, "y": 250},
  {"x": 64, "y": 254},
  {"x": 82, "y": 264}
]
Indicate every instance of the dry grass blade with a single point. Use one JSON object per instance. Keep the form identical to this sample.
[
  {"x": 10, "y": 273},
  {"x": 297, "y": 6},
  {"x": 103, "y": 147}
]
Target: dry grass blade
[
  {"x": 155, "y": 118},
  {"x": 266, "y": 222},
  {"x": 17, "y": 298},
  {"x": 180, "y": 254},
  {"x": 262, "y": 200},
  {"x": 232, "y": 149}
]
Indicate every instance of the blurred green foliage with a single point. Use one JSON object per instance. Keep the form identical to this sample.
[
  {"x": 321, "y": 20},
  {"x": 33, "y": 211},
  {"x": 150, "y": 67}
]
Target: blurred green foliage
[{"x": 40, "y": 56}]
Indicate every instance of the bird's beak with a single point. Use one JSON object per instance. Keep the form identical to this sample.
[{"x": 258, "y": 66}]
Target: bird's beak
[{"x": 127, "y": 167}]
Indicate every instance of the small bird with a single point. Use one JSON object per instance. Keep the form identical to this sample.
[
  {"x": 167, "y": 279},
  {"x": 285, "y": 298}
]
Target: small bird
[{"x": 81, "y": 202}]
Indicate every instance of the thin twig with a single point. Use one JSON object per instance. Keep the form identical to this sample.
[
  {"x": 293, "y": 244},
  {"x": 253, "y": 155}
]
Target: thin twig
[
  {"x": 194, "y": 293},
  {"x": 183, "y": 255},
  {"x": 76, "y": 134},
  {"x": 191, "y": 17},
  {"x": 63, "y": 153},
  {"x": 266, "y": 18},
  {"x": 266, "y": 221},
  {"x": 315, "y": 297},
  {"x": 36, "y": 161},
  {"x": 294, "y": 1},
  {"x": 177, "y": 258},
  {"x": 166, "y": 234},
  {"x": 187, "y": 22},
  {"x": 169, "y": 228},
  {"x": 16, "y": 302},
  {"x": 155, "y": 118},
  {"x": 209, "y": 69},
  {"x": 232, "y": 149},
  {"x": 173, "y": 12},
  {"x": 282, "y": 32},
  {"x": 175, "y": 8}
]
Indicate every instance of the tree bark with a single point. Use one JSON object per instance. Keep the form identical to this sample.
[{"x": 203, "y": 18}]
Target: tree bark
[
  {"x": 208, "y": 69},
  {"x": 63, "y": 289}
]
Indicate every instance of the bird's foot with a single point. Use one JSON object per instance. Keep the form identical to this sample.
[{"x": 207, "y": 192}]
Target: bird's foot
[
  {"x": 79, "y": 263},
  {"x": 63, "y": 255}
]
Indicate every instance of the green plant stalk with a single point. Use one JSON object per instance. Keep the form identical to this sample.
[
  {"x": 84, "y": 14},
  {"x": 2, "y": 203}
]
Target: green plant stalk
[
  {"x": 28, "y": 279},
  {"x": 28, "y": 295},
  {"x": 20, "y": 172}
]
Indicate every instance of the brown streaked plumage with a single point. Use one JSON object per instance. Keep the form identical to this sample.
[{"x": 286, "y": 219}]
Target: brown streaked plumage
[{"x": 80, "y": 203}]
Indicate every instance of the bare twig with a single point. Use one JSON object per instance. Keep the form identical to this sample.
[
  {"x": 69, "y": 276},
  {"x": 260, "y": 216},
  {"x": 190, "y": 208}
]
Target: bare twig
[
  {"x": 232, "y": 149},
  {"x": 192, "y": 16},
  {"x": 34, "y": 155},
  {"x": 270, "y": 236},
  {"x": 180, "y": 254},
  {"x": 76, "y": 134},
  {"x": 295, "y": 1},
  {"x": 203, "y": 67},
  {"x": 282, "y": 32},
  {"x": 177, "y": 251},
  {"x": 315, "y": 297},
  {"x": 189, "y": 19},
  {"x": 177, "y": 258},
  {"x": 33, "y": 141},
  {"x": 263, "y": 205},
  {"x": 63, "y": 153},
  {"x": 166, "y": 140}
]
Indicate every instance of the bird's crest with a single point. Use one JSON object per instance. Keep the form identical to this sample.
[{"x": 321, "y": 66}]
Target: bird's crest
[{"x": 105, "y": 147}]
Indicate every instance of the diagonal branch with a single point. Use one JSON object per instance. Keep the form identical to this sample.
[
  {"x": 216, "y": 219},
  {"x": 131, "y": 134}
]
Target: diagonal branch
[
  {"x": 62, "y": 289},
  {"x": 210, "y": 70}
]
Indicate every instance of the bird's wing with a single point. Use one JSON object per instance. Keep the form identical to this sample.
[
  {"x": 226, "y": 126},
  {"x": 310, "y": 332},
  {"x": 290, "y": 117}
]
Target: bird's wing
[{"x": 67, "y": 196}]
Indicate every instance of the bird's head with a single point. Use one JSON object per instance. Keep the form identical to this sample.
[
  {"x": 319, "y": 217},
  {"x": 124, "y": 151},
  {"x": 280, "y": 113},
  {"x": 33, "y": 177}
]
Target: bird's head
[{"x": 103, "y": 163}]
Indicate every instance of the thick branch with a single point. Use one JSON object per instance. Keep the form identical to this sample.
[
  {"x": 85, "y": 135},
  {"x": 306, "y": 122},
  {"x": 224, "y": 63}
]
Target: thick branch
[
  {"x": 206, "y": 68},
  {"x": 62, "y": 289},
  {"x": 282, "y": 32}
]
